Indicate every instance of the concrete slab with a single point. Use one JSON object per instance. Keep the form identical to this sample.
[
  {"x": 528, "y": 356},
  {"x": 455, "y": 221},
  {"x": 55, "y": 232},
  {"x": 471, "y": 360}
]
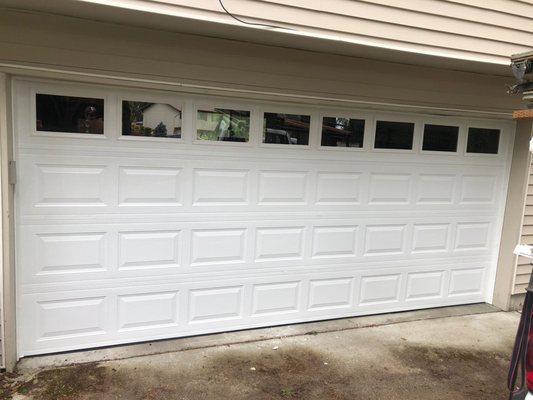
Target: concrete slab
[
  {"x": 448, "y": 355},
  {"x": 252, "y": 335},
  {"x": 452, "y": 353}
]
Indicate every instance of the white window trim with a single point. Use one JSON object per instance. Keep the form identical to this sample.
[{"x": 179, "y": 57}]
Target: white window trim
[
  {"x": 417, "y": 132},
  {"x": 367, "y": 132},
  {"x": 485, "y": 125},
  {"x": 149, "y": 98},
  {"x": 113, "y": 97},
  {"x": 70, "y": 91},
  {"x": 311, "y": 141},
  {"x": 461, "y": 137}
]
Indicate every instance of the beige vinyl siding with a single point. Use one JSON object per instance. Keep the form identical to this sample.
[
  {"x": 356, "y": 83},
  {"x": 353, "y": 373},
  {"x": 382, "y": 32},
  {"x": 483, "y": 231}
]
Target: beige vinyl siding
[
  {"x": 523, "y": 267},
  {"x": 61, "y": 42},
  {"x": 486, "y": 30}
]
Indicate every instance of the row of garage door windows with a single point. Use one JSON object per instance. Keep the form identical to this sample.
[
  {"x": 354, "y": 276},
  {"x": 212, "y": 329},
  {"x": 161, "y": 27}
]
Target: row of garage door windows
[{"x": 56, "y": 113}]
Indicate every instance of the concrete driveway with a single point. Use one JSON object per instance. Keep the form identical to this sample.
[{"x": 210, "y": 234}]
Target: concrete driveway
[{"x": 399, "y": 356}]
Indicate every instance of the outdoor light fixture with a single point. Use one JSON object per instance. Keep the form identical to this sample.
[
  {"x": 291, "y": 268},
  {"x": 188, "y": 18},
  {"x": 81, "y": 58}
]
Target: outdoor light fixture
[{"x": 522, "y": 67}]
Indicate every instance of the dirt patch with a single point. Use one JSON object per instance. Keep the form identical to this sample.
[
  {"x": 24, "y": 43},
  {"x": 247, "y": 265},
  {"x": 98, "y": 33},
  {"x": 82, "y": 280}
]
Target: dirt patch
[
  {"x": 469, "y": 373},
  {"x": 297, "y": 372},
  {"x": 8, "y": 385},
  {"x": 301, "y": 373},
  {"x": 66, "y": 383}
]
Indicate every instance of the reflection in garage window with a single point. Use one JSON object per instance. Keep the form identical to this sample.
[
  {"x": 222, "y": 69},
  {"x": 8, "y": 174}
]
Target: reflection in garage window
[
  {"x": 286, "y": 128},
  {"x": 483, "y": 140},
  {"x": 394, "y": 135},
  {"x": 222, "y": 124},
  {"x": 440, "y": 138},
  {"x": 342, "y": 132},
  {"x": 69, "y": 114},
  {"x": 141, "y": 118}
]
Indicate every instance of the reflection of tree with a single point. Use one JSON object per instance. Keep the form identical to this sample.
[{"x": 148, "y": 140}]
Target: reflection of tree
[
  {"x": 342, "y": 123},
  {"x": 126, "y": 118},
  {"x": 136, "y": 110},
  {"x": 132, "y": 115},
  {"x": 160, "y": 129},
  {"x": 65, "y": 109},
  {"x": 231, "y": 125}
]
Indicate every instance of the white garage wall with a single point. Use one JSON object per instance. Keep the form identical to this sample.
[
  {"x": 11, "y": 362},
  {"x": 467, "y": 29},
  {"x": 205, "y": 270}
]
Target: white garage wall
[{"x": 123, "y": 239}]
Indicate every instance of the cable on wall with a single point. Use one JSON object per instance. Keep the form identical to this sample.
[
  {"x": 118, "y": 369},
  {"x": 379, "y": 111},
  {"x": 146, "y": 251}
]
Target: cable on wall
[{"x": 251, "y": 23}]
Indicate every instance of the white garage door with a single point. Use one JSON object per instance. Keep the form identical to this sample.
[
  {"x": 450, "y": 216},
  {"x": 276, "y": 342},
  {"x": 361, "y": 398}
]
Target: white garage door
[{"x": 155, "y": 215}]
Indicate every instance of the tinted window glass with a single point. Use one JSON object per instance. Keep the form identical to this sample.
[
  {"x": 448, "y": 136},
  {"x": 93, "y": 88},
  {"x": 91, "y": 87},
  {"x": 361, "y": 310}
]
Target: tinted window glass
[
  {"x": 69, "y": 114},
  {"x": 222, "y": 124},
  {"x": 342, "y": 132},
  {"x": 286, "y": 129},
  {"x": 482, "y": 140},
  {"x": 140, "y": 118},
  {"x": 394, "y": 135},
  {"x": 440, "y": 138}
]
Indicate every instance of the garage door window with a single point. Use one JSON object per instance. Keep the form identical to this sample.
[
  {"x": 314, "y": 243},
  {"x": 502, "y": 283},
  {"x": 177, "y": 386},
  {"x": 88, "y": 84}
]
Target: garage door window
[
  {"x": 440, "y": 138},
  {"x": 69, "y": 114},
  {"x": 286, "y": 129},
  {"x": 222, "y": 124},
  {"x": 483, "y": 140},
  {"x": 394, "y": 135},
  {"x": 141, "y": 118},
  {"x": 342, "y": 132}
]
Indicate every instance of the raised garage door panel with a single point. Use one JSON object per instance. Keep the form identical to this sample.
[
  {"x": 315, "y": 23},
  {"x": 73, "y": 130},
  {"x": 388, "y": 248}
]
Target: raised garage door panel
[{"x": 129, "y": 239}]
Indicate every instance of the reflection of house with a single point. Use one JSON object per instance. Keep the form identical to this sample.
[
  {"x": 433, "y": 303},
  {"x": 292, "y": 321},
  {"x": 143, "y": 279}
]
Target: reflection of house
[{"x": 156, "y": 113}]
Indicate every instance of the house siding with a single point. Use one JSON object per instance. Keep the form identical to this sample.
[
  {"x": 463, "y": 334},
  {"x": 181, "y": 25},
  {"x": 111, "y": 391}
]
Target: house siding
[
  {"x": 48, "y": 41},
  {"x": 488, "y": 31}
]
